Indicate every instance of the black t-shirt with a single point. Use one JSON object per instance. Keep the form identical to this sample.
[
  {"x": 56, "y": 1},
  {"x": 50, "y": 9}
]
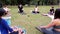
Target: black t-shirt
[{"x": 20, "y": 8}]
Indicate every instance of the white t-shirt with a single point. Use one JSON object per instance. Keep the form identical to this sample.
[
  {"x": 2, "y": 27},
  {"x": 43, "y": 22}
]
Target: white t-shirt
[
  {"x": 51, "y": 16},
  {"x": 6, "y": 17},
  {"x": 36, "y": 9},
  {"x": 6, "y": 9}
]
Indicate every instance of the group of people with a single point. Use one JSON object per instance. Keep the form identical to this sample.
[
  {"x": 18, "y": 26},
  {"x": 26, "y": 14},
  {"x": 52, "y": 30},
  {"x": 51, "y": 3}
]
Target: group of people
[
  {"x": 5, "y": 22},
  {"x": 54, "y": 26},
  {"x": 35, "y": 11},
  {"x": 51, "y": 28}
]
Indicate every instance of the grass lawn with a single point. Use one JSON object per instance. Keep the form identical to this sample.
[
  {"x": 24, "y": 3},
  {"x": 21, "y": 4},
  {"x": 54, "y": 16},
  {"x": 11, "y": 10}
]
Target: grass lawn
[{"x": 29, "y": 23}]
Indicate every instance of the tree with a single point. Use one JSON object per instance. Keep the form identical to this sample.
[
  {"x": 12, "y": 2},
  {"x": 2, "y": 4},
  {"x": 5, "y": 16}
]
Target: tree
[
  {"x": 34, "y": 2},
  {"x": 7, "y": 2}
]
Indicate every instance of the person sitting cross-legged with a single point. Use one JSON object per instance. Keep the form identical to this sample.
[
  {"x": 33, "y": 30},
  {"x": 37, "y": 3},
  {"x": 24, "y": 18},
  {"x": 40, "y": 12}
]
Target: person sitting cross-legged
[
  {"x": 20, "y": 9},
  {"x": 51, "y": 11},
  {"x": 55, "y": 24},
  {"x": 4, "y": 27},
  {"x": 36, "y": 10}
]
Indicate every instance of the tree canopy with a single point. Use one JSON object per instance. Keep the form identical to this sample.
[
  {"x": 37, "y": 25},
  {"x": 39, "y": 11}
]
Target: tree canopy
[{"x": 39, "y": 2}]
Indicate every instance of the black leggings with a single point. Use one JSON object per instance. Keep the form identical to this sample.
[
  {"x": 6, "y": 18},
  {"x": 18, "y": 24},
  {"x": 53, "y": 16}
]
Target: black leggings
[{"x": 35, "y": 12}]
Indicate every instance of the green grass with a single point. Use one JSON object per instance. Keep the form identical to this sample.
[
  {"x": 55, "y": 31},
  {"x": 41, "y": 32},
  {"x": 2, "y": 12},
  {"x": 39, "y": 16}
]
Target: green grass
[{"x": 29, "y": 23}]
